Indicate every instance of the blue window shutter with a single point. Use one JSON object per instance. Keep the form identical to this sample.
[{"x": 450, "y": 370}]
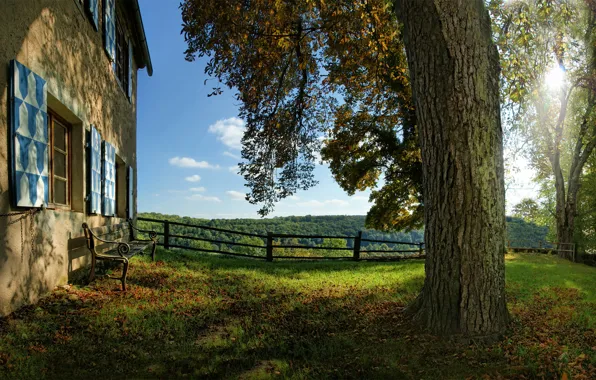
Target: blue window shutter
[
  {"x": 130, "y": 70},
  {"x": 131, "y": 178},
  {"x": 95, "y": 172},
  {"x": 109, "y": 27},
  {"x": 108, "y": 177},
  {"x": 93, "y": 9},
  {"x": 29, "y": 123}
]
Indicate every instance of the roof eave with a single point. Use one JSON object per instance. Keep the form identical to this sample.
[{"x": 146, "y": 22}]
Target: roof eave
[{"x": 142, "y": 39}]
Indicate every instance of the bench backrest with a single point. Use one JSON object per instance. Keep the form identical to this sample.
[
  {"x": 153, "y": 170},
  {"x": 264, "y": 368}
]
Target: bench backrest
[{"x": 115, "y": 232}]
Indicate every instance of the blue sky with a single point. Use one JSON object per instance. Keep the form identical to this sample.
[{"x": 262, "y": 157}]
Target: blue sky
[{"x": 188, "y": 143}]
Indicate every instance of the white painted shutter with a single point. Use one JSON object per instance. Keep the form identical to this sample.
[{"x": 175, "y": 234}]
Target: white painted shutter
[
  {"x": 108, "y": 177},
  {"x": 29, "y": 122},
  {"x": 95, "y": 172}
]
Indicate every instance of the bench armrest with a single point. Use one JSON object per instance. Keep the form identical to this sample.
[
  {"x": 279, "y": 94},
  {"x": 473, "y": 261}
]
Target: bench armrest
[
  {"x": 123, "y": 248},
  {"x": 152, "y": 234}
]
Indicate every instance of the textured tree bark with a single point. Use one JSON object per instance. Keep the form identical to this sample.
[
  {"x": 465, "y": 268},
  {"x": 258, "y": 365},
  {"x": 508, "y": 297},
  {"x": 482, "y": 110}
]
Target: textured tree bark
[
  {"x": 454, "y": 68},
  {"x": 565, "y": 209},
  {"x": 566, "y": 202}
]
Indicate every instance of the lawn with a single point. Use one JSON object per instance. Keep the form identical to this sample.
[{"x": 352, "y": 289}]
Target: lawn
[{"x": 197, "y": 315}]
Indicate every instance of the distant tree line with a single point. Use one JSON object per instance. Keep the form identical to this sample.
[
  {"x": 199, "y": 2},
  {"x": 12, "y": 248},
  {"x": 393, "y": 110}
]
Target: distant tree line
[{"x": 519, "y": 231}]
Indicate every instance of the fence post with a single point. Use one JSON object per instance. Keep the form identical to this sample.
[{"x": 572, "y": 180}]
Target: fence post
[
  {"x": 357, "y": 240},
  {"x": 420, "y": 248},
  {"x": 540, "y": 244},
  {"x": 269, "y": 246},
  {"x": 166, "y": 234}
]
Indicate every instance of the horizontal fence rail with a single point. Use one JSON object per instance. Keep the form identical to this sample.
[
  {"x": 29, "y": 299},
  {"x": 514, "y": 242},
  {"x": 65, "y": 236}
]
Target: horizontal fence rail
[
  {"x": 529, "y": 243},
  {"x": 543, "y": 246},
  {"x": 171, "y": 240}
]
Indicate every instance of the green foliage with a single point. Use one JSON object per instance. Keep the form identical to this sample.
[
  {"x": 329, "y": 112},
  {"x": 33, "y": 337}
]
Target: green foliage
[
  {"x": 250, "y": 250},
  {"x": 522, "y": 233},
  {"x": 199, "y": 316},
  {"x": 585, "y": 233},
  {"x": 527, "y": 209},
  {"x": 201, "y": 245},
  {"x": 335, "y": 243}
]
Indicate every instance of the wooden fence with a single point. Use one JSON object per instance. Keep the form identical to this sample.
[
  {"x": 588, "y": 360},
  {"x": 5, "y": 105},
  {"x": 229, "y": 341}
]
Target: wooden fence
[
  {"x": 543, "y": 246},
  {"x": 170, "y": 241}
]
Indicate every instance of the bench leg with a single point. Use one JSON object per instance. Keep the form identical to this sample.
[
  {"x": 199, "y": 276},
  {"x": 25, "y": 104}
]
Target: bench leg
[
  {"x": 124, "y": 273},
  {"x": 92, "y": 271},
  {"x": 153, "y": 251}
]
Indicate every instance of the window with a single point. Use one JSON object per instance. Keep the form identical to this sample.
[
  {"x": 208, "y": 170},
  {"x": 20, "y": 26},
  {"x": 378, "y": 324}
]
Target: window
[
  {"x": 60, "y": 140},
  {"x": 121, "y": 63}
]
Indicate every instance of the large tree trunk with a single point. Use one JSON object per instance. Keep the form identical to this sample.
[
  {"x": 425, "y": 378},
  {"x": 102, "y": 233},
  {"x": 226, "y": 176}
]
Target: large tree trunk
[
  {"x": 454, "y": 68},
  {"x": 564, "y": 220},
  {"x": 565, "y": 216}
]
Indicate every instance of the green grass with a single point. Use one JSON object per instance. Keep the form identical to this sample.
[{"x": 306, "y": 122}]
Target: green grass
[{"x": 198, "y": 315}]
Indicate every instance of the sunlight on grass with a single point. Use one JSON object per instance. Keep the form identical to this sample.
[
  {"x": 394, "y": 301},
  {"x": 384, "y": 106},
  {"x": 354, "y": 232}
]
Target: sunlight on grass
[{"x": 200, "y": 315}]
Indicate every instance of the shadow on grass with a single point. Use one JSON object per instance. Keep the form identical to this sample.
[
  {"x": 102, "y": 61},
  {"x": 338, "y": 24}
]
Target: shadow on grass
[
  {"x": 211, "y": 317},
  {"x": 279, "y": 266}
]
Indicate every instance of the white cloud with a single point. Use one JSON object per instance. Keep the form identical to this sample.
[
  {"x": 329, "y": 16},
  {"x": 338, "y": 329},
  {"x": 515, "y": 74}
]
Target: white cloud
[
  {"x": 193, "y": 178},
  {"x": 312, "y": 203},
  {"x": 236, "y": 195},
  {"x": 230, "y": 154},
  {"x": 187, "y": 162},
  {"x": 201, "y": 197},
  {"x": 293, "y": 197},
  {"x": 198, "y": 189},
  {"x": 234, "y": 169},
  {"x": 337, "y": 202},
  {"x": 332, "y": 202},
  {"x": 229, "y": 131},
  {"x": 359, "y": 198}
]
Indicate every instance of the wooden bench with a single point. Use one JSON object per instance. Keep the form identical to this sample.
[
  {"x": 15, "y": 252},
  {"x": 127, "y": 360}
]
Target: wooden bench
[{"x": 116, "y": 243}]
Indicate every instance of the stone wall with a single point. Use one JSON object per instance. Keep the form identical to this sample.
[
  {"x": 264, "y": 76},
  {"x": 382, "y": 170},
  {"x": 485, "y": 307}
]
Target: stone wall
[{"x": 56, "y": 40}]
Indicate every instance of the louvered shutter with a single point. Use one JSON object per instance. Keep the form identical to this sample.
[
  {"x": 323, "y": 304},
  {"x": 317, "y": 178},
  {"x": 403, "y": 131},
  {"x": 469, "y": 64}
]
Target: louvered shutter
[
  {"x": 130, "y": 70},
  {"x": 29, "y": 124},
  {"x": 108, "y": 177},
  {"x": 109, "y": 27},
  {"x": 130, "y": 192},
  {"x": 93, "y": 9},
  {"x": 95, "y": 172}
]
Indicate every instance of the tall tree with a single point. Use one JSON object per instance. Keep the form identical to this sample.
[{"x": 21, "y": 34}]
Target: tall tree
[
  {"x": 527, "y": 209},
  {"x": 548, "y": 50},
  {"x": 303, "y": 68},
  {"x": 585, "y": 232},
  {"x": 454, "y": 69}
]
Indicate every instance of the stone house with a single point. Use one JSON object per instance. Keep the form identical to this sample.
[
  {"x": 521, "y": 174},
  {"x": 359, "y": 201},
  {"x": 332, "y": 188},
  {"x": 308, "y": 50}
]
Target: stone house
[{"x": 68, "y": 104}]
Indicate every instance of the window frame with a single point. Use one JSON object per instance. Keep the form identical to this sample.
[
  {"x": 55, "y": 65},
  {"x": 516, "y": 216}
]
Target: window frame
[{"x": 52, "y": 118}]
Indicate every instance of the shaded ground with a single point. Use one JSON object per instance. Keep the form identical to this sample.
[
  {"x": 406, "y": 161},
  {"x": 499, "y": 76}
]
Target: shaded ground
[{"x": 202, "y": 316}]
